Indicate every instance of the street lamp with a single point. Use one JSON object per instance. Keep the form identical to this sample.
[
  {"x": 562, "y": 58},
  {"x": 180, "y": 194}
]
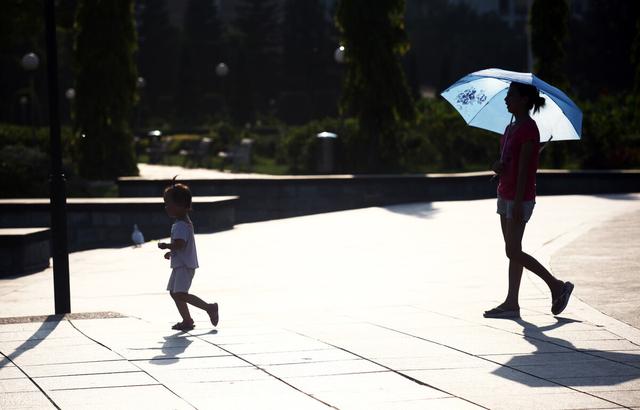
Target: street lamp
[
  {"x": 57, "y": 192},
  {"x": 222, "y": 70},
  {"x": 30, "y": 63},
  {"x": 338, "y": 55},
  {"x": 140, "y": 84},
  {"x": 70, "y": 94}
]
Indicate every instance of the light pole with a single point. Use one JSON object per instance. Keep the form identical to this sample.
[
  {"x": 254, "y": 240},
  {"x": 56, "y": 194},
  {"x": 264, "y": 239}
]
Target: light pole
[
  {"x": 30, "y": 63},
  {"x": 60, "y": 252},
  {"x": 222, "y": 70},
  {"x": 140, "y": 84},
  {"x": 338, "y": 55},
  {"x": 70, "y": 94}
]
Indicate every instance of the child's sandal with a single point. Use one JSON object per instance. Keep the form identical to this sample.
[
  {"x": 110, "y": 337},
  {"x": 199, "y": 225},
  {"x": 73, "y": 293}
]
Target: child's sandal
[{"x": 183, "y": 326}]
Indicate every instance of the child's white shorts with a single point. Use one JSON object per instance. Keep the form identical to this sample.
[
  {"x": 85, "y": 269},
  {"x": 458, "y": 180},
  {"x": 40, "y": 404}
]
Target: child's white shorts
[{"x": 180, "y": 279}]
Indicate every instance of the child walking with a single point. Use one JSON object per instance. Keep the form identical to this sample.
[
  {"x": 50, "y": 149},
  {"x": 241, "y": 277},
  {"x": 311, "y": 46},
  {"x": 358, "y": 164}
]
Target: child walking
[
  {"x": 183, "y": 256},
  {"x": 517, "y": 169}
]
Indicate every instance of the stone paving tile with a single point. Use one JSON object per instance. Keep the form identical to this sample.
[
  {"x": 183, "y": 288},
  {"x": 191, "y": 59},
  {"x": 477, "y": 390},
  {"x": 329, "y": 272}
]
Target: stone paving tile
[
  {"x": 134, "y": 397},
  {"x": 541, "y": 358},
  {"x": 593, "y": 368},
  {"x": 17, "y": 385},
  {"x": 95, "y": 380},
  {"x": 474, "y": 381},
  {"x": 169, "y": 375},
  {"x": 601, "y": 383},
  {"x": 327, "y": 355},
  {"x": 629, "y": 398},
  {"x": 25, "y": 400},
  {"x": 68, "y": 369},
  {"x": 446, "y": 403},
  {"x": 364, "y": 390},
  {"x": 323, "y": 368},
  {"x": 9, "y": 371},
  {"x": 79, "y": 354},
  {"x": 191, "y": 363},
  {"x": 259, "y": 394},
  {"x": 547, "y": 401}
]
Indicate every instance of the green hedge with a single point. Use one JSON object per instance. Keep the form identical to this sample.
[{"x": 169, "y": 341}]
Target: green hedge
[{"x": 24, "y": 160}]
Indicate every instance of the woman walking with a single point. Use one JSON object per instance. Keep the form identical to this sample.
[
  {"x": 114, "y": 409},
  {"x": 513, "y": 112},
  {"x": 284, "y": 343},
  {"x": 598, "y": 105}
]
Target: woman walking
[{"x": 517, "y": 169}]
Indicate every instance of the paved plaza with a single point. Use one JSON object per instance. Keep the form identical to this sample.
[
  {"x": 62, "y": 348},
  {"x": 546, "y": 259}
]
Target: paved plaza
[{"x": 377, "y": 308}]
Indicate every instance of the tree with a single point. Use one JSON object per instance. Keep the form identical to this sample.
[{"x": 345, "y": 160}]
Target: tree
[
  {"x": 257, "y": 57},
  {"x": 307, "y": 60},
  {"x": 549, "y": 25},
  {"x": 105, "y": 87},
  {"x": 200, "y": 54},
  {"x": 375, "y": 89},
  {"x": 635, "y": 60},
  {"x": 158, "y": 42}
]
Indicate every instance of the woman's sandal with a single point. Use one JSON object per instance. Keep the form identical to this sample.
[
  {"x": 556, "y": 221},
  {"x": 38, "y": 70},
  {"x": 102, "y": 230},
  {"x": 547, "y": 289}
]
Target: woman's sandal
[
  {"x": 562, "y": 301},
  {"x": 183, "y": 326},
  {"x": 500, "y": 313}
]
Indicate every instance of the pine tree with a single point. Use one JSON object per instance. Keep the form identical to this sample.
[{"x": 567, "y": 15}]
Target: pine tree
[
  {"x": 549, "y": 22},
  {"x": 105, "y": 87},
  {"x": 375, "y": 89},
  {"x": 200, "y": 53},
  {"x": 307, "y": 56},
  {"x": 258, "y": 57},
  {"x": 157, "y": 57}
]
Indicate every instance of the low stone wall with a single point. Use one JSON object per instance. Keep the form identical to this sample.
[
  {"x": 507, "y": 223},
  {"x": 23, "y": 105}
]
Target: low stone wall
[
  {"x": 281, "y": 197},
  {"x": 102, "y": 222},
  {"x": 24, "y": 250}
]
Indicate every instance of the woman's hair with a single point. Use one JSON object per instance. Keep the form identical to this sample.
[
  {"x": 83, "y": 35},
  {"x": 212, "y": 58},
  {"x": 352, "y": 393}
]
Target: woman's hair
[
  {"x": 178, "y": 193},
  {"x": 531, "y": 92}
]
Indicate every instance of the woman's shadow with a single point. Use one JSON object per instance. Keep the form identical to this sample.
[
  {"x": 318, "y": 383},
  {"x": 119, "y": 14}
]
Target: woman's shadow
[{"x": 559, "y": 361}]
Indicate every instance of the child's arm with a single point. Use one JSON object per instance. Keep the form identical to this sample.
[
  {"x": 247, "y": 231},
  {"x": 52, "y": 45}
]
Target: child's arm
[{"x": 175, "y": 245}]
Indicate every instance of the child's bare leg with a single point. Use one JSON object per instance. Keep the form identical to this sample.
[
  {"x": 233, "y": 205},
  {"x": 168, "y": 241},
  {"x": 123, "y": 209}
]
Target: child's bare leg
[
  {"x": 183, "y": 309},
  {"x": 192, "y": 300}
]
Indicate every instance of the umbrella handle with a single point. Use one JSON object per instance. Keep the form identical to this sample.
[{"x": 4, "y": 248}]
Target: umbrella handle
[{"x": 545, "y": 144}]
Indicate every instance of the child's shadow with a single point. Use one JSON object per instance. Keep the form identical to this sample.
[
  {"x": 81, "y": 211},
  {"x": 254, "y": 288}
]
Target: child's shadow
[{"x": 174, "y": 345}]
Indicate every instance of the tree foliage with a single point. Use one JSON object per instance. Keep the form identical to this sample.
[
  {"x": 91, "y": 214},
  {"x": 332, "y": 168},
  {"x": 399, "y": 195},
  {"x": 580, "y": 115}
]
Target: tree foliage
[
  {"x": 375, "y": 89},
  {"x": 549, "y": 25},
  {"x": 105, "y": 87},
  {"x": 157, "y": 58},
  {"x": 200, "y": 54}
]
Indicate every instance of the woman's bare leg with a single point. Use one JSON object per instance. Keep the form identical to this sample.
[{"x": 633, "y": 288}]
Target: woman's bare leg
[{"x": 514, "y": 231}]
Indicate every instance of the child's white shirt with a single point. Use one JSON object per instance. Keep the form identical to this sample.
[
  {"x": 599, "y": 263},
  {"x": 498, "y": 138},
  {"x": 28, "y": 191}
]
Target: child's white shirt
[{"x": 186, "y": 257}]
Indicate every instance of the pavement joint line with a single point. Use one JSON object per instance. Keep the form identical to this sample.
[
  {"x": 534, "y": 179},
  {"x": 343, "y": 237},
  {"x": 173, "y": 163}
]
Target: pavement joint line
[
  {"x": 86, "y": 374},
  {"x": 267, "y": 372},
  {"x": 503, "y": 365},
  {"x": 108, "y": 387},
  {"x": 180, "y": 358},
  {"x": 406, "y": 376},
  {"x": 31, "y": 380},
  {"x": 144, "y": 371},
  {"x": 86, "y": 361}
]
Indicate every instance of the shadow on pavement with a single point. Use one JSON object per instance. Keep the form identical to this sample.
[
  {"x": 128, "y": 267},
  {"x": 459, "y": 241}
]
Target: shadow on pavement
[
  {"x": 420, "y": 210},
  {"x": 579, "y": 367},
  {"x": 45, "y": 329},
  {"x": 173, "y": 346}
]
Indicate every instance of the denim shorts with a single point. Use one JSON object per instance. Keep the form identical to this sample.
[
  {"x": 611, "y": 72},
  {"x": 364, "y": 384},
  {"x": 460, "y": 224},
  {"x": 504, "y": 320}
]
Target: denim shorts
[{"x": 505, "y": 208}]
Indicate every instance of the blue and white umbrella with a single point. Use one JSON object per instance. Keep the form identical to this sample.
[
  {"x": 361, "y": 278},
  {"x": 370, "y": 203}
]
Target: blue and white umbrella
[{"x": 479, "y": 98}]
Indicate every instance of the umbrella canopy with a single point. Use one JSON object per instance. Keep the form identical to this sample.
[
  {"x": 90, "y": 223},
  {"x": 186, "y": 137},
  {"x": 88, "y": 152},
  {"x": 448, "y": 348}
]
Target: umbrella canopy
[{"x": 479, "y": 98}]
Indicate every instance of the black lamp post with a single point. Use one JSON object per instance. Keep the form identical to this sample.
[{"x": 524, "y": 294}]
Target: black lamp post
[
  {"x": 58, "y": 195},
  {"x": 30, "y": 63}
]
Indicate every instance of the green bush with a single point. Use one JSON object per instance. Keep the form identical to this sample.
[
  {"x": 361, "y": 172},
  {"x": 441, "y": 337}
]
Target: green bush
[{"x": 24, "y": 172}]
